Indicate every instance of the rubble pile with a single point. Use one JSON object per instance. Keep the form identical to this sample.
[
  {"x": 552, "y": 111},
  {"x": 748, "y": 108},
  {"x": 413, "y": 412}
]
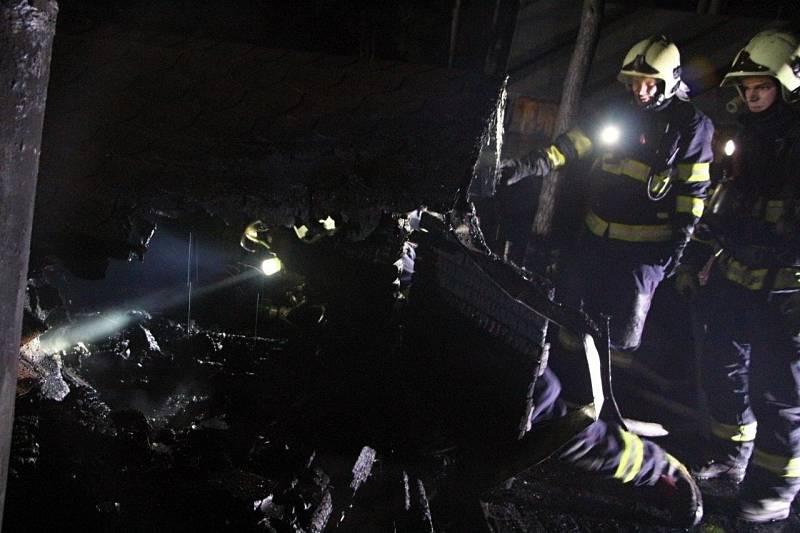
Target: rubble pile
[
  {"x": 358, "y": 419},
  {"x": 164, "y": 427}
]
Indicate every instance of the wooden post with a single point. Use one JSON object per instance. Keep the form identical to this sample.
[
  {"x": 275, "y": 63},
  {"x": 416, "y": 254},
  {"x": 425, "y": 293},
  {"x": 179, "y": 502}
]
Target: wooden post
[
  {"x": 582, "y": 55},
  {"x": 454, "y": 23},
  {"x": 27, "y": 28}
]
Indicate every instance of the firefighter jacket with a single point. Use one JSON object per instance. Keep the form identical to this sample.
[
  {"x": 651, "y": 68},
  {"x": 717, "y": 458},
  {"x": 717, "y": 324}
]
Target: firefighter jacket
[
  {"x": 646, "y": 191},
  {"x": 752, "y": 224}
]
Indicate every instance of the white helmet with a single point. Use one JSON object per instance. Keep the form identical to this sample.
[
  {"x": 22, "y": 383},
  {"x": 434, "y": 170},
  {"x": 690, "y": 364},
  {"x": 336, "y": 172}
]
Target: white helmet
[
  {"x": 764, "y": 55},
  {"x": 789, "y": 76},
  {"x": 654, "y": 57}
]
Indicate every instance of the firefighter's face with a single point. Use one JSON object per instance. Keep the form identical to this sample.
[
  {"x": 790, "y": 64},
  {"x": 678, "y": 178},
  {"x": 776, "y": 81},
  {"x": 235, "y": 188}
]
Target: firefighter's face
[
  {"x": 645, "y": 90},
  {"x": 760, "y": 92}
]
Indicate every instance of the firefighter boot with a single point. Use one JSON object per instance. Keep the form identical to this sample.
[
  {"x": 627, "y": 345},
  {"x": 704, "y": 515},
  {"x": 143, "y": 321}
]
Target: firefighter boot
[
  {"x": 764, "y": 510},
  {"x": 729, "y": 462},
  {"x": 766, "y": 497},
  {"x": 676, "y": 490}
]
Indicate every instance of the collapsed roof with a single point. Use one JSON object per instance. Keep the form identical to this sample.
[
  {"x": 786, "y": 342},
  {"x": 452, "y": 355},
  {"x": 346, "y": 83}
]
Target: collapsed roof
[{"x": 246, "y": 131}]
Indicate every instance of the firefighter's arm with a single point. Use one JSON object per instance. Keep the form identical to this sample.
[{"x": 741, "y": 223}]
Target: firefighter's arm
[
  {"x": 693, "y": 175},
  {"x": 570, "y": 146},
  {"x": 691, "y": 185}
]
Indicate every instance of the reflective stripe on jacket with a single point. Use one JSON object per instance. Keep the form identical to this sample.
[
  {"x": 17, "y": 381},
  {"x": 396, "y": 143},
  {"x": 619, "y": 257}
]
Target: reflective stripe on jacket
[
  {"x": 664, "y": 153},
  {"x": 756, "y": 279}
]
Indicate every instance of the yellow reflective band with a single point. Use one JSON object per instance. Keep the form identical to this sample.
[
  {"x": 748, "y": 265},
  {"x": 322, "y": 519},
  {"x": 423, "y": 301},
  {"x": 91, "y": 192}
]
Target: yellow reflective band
[
  {"x": 751, "y": 278},
  {"x": 630, "y": 462},
  {"x": 557, "y": 159},
  {"x": 301, "y": 231},
  {"x": 694, "y": 172},
  {"x": 777, "y": 464},
  {"x": 754, "y": 278},
  {"x": 628, "y": 232},
  {"x": 582, "y": 143},
  {"x": 690, "y": 204},
  {"x": 627, "y": 167},
  {"x": 774, "y": 211},
  {"x": 743, "y": 433}
]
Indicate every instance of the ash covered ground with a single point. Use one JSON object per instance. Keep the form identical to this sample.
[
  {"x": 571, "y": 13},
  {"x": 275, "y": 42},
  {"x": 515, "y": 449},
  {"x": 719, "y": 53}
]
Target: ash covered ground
[{"x": 288, "y": 423}]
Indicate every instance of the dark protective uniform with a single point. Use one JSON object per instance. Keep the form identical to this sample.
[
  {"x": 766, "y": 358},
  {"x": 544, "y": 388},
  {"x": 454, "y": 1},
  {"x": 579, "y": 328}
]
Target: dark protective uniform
[
  {"x": 751, "y": 360},
  {"x": 644, "y": 196},
  {"x": 603, "y": 448}
]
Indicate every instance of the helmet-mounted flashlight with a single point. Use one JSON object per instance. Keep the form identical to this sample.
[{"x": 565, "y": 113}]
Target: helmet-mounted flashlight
[{"x": 271, "y": 265}]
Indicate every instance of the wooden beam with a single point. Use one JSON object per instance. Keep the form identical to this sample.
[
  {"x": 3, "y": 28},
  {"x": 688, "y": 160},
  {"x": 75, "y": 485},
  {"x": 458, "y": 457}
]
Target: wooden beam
[
  {"x": 27, "y": 28},
  {"x": 578, "y": 70}
]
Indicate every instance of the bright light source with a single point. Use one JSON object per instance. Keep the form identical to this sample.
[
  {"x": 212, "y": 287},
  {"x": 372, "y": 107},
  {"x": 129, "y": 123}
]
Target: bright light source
[
  {"x": 271, "y": 266},
  {"x": 610, "y": 135},
  {"x": 730, "y": 147},
  {"x": 328, "y": 223}
]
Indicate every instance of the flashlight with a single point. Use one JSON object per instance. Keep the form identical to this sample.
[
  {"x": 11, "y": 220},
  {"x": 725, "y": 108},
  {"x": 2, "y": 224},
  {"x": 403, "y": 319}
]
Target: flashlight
[
  {"x": 610, "y": 135},
  {"x": 271, "y": 265},
  {"x": 730, "y": 147}
]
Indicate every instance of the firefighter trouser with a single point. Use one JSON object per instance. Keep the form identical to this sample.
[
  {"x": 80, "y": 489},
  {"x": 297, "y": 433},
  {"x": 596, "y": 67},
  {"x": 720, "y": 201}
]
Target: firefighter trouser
[
  {"x": 602, "y": 279},
  {"x": 602, "y": 448},
  {"x": 751, "y": 372}
]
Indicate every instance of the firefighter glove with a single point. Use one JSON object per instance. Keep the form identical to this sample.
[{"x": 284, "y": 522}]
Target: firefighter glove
[{"x": 535, "y": 165}]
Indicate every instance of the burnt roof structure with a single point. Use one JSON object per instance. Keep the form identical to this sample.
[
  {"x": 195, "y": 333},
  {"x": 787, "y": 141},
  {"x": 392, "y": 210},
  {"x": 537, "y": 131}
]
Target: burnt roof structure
[{"x": 135, "y": 117}]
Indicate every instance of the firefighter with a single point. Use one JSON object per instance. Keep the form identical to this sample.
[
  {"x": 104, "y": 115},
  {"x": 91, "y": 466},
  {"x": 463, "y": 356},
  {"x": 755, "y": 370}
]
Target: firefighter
[
  {"x": 609, "y": 450},
  {"x": 645, "y": 190},
  {"x": 747, "y": 252},
  {"x": 645, "y": 194}
]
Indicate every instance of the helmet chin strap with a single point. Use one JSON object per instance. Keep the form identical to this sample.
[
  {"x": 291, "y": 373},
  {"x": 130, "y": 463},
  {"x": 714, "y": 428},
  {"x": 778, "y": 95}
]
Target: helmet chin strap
[{"x": 659, "y": 101}]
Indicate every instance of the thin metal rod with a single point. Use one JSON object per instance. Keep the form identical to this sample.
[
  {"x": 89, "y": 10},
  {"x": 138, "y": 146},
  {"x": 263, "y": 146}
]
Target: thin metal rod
[
  {"x": 189, "y": 285},
  {"x": 454, "y": 32},
  {"x": 255, "y": 327}
]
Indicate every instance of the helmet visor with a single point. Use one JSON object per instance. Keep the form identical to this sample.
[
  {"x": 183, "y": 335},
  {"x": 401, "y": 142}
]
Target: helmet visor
[{"x": 744, "y": 66}]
